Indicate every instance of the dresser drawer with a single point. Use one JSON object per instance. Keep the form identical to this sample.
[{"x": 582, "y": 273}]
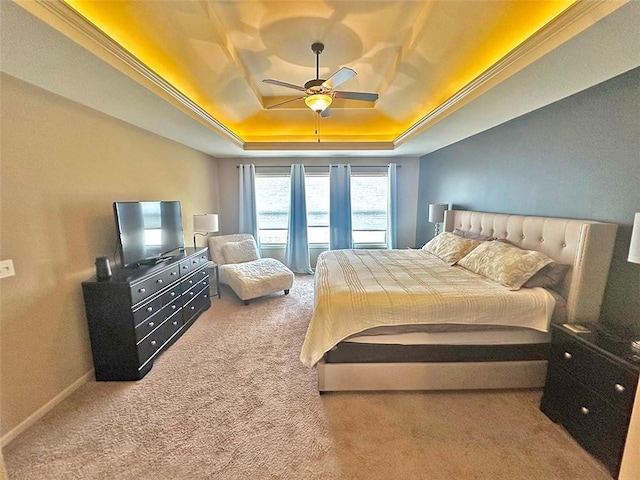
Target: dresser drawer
[
  {"x": 189, "y": 265},
  {"x": 195, "y": 278},
  {"x": 152, "y": 343},
  {"x": 145, "y": 328},
  {"x": 153, "y": 284},
  {"x": 600, "y": 429},
  {"x": 611, "y": 381},
  {"x": 200, "y": 302}
]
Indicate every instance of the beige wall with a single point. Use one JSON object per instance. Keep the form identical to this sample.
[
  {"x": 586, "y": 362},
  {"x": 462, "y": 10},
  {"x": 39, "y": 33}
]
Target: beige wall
[
  {"x": 630, "y": 468},
  {"x": 408, "y": 175},
  {"x": 62, "y": 166}
]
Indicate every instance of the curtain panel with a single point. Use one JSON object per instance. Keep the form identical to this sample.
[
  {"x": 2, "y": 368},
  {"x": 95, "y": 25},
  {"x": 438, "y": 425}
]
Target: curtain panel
[
  {"x": 297, "y": 256},
  {"x": 248, "y": 213},
  {"x": 340, "y": 228},
  {"x": 392, "y": 206}
]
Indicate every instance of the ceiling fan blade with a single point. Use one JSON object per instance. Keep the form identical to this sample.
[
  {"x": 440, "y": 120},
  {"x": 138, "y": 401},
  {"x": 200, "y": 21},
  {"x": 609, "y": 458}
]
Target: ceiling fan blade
[
  {"x": 283, "y": 84},
  {"x": 286, "y": 101},
  {"x": 326, "y": 112},
  {"x": 338, "y": 78},
  {"x": 367, "y": 97}
]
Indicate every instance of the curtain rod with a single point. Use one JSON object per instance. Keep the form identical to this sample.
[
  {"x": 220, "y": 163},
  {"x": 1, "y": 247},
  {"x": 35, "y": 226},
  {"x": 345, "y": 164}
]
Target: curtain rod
[{"x": 324, "y": 166}]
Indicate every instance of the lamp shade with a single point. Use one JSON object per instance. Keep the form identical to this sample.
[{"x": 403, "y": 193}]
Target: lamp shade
[
  {"x": 436, "y": 212},
  {"x": 205, "y": 222},
  {"x": 318, "y": 102},
  {"x": 634, "y": 248}
]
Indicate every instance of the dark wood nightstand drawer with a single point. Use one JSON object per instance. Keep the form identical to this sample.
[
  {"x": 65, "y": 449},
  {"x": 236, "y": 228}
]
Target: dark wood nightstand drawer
[
  {"x": 600, "y": 429},
  {"x": 611, "y": 381}
]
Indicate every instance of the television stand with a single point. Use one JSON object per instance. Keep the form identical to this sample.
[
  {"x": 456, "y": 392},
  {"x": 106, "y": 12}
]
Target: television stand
[{"x": 138, "y": 313}]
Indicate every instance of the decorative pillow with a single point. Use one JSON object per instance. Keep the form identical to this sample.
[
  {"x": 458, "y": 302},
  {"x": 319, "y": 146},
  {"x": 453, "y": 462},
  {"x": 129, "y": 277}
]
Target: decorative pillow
[
  {"x": 450, "y": 247},
  {"x": 548, "y": 276},
  {"x": 474, "y": 236},
  {"x": 240, "y": 252},
  {"x": 504, "y": 263}
]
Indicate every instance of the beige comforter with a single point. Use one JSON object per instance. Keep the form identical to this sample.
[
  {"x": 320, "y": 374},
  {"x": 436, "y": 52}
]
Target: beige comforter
[{"x": 360, "y": 289}]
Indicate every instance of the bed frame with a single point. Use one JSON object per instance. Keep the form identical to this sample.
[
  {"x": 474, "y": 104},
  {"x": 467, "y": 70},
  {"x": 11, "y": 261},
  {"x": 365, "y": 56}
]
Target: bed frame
[{"x": 585, "y": 245}]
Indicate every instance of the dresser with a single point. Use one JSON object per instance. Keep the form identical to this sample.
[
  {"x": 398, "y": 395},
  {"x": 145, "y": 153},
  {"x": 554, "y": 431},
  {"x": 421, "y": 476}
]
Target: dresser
[
  {"x": 590, "y": 390},
  {"x": 138, "y": 313}
]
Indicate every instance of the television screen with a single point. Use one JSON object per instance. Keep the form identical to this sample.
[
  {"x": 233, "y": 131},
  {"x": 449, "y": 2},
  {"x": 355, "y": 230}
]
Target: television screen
[{"x": 148, "y": 231}]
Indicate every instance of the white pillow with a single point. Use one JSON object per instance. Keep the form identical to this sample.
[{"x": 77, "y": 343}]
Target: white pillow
[
  {"x": 504, "y": 263},
  {"x": 449, "y": 247},
  {"x": 240, "y": 252}
]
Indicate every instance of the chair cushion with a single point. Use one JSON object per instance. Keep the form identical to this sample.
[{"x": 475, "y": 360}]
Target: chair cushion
[
  {"x": 256, "y": 278},
  {"x": 216, "y": 243},
  {"x": 240, "y": 252}
]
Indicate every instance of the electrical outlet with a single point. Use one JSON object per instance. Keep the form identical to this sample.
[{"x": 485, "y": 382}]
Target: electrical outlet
[{"x": 6, "y": 269}]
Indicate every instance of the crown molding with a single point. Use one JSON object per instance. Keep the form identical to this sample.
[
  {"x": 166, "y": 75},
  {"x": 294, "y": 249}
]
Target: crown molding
[
  {"x": 88, "y": 30},
  {"x": 320, "y": 146},
  {"x": 524, "y": 54}
]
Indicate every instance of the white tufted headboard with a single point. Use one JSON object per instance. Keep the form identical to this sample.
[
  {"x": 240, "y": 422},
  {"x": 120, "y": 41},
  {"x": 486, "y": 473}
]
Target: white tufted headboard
[{"x": 584, "y": 244}]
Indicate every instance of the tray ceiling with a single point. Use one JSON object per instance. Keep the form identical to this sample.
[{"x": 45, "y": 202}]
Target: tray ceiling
[{"x": 425, "y": 59}]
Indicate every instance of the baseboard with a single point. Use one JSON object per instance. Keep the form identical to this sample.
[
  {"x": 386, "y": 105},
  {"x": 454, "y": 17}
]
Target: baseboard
[{"x": 42, "y": 411}]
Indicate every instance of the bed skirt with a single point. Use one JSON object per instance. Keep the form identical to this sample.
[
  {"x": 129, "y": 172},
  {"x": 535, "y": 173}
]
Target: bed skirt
[{"x": 335, "y": 377}]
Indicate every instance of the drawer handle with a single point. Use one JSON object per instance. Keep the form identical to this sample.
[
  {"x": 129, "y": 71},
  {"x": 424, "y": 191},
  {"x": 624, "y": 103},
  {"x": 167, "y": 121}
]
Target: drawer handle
[
  {"x": 159, "y": 280},
  {"x": 619, "y": 388},
  {"x": 142, "y": 290},
  {"x": 194, "y": 261},
  {"x": 186, "y": 267},
  {"x": 584, "y": 410},
  {"x": 190, "y": 282},
  {"x": 173, "y": 307},
  {"x": 206, "y": 296},
  {"x": 173, "y": 294},
  {"x": 151, "y": 324},
  {"x": 174, "y": 323},
  {"x": 149, "y": 309},
  {"x": 193, "y": 308},
  {"x": 191, "y": 293},
  {"x": 173, "y": 274},
  {"x": 567, "y": 356},
  {"x": 153, "y": 343}
]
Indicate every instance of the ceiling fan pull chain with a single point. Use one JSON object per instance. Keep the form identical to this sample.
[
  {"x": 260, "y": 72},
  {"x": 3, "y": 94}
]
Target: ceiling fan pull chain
[{"x": 318, "y": 126}]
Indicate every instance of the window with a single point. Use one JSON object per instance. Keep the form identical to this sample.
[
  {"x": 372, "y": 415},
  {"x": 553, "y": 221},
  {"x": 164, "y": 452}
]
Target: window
[
  {"x": 369, "y": 200},
  {"x": 369, "y": 193},
  {"x": 272, "y": 203}
]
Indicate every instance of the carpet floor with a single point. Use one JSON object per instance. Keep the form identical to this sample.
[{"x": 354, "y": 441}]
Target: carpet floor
[{"x": 231, "y": 400}]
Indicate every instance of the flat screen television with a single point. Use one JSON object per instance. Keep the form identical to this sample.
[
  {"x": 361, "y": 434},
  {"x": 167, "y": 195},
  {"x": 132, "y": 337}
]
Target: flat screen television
[{"x": 148, "y": 232}]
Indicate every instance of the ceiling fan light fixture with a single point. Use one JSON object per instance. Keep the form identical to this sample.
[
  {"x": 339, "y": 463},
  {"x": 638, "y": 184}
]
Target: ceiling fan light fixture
[{"x": 318, "y": 102}]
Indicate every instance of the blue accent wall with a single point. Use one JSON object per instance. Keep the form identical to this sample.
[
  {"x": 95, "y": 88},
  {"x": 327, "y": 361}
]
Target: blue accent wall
[{"x": 576, "y": 158}]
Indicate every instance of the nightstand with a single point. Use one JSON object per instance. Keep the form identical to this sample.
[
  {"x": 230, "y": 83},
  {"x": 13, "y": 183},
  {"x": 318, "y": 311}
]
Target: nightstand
[
  {"x": 590, "y": 389},
  {"x": 213, "y": 269}
]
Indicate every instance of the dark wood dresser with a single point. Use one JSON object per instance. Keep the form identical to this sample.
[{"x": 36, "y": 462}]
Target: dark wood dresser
[
  {"x": 590, "y": 389},
  {"x": 138, "y": 313}
]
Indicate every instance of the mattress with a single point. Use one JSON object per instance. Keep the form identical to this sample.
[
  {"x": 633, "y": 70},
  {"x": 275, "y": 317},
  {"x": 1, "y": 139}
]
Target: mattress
[{"x": 356, "y": 290}]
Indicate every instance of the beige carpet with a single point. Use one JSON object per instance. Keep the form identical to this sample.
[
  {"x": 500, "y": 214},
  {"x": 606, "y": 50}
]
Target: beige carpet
[{"x": 230, "y": 400}]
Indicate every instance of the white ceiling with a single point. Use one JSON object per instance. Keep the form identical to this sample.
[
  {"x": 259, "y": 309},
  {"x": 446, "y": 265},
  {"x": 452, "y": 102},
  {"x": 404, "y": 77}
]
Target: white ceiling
[{"x": 35, "y": 52}]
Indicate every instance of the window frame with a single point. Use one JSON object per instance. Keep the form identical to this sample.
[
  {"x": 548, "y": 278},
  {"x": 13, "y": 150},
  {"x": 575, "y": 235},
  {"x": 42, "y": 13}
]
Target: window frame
[{"x": 312, "y": 171}]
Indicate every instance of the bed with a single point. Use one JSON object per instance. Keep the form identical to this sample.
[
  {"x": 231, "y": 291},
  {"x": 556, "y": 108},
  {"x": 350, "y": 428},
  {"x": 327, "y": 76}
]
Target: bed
[{"x": 429, "y": 319}]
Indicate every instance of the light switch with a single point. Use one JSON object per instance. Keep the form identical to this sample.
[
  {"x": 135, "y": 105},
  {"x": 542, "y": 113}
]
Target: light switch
[{"x": 6, "y": 269}]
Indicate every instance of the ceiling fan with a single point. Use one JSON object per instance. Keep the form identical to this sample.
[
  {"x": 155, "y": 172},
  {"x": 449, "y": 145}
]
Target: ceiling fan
[{"x": 319, "y": 93}]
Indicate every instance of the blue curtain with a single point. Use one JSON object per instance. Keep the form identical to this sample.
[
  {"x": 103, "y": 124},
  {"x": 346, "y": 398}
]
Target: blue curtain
[
  {"x": 340, "y": 230},
  {"x": 297, "y": 252},
  {"x": 392, "y": 207},
  {"x": 248, "y": 214}
]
